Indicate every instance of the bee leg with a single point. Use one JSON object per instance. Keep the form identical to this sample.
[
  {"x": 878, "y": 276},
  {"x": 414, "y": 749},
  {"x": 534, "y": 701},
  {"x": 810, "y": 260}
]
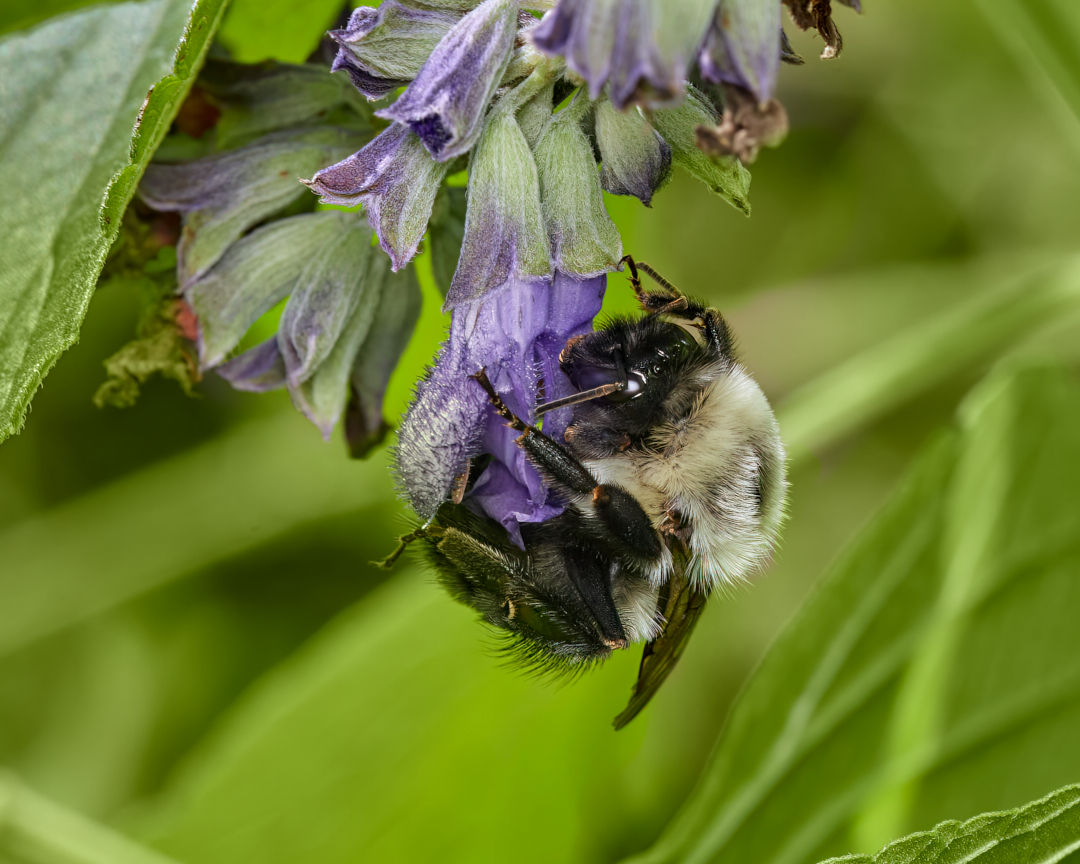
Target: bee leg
[
  {"x": 669, "y": 299},
  {"x": 596, "y": 442},
  {"x": 717, "y": 334},
  {"x": 675, "y": 527},
  {"x": 620, "y": 526},
  {"x": 404, "y": 541}
]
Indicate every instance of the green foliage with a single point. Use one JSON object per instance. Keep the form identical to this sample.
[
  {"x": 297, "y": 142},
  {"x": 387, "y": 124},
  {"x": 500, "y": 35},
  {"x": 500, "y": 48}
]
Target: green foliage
[
  {"x": 904, "y": 690},
  {"x": 56, "y": 225},
  {"x": 37, "y": 831},
  {"x": 1046, "y": 830},
  {"x": 306, "y": 768},
  {"x": 159, "y": 349},
  {"x": 255, "y": 30},
  {"x": 161, "y": 570}
]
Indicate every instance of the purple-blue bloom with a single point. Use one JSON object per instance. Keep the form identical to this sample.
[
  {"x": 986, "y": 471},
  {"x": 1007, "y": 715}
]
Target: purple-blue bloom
[
  {"x": 384, "y": 48},
  {"x": 640, "y": 49},
  {"x": 516, "y": 336},
  {"x": 446, "y": 102},
  {"x": 743, "y": 47},
  {"x": 395, "y": 180}
]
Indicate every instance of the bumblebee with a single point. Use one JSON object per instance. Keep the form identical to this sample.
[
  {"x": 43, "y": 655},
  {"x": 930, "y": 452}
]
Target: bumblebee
[{"x": 672, "y": 476}]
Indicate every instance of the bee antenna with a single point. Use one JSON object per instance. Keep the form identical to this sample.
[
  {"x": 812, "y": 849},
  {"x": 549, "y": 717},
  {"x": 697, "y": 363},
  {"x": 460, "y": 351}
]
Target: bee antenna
[
  {"x": 657, "y": 278},
  {"x": 583, "y": 396}
]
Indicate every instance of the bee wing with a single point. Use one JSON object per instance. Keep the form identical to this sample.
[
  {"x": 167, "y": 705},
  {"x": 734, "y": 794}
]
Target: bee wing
[{"x": 682, "y": 607}]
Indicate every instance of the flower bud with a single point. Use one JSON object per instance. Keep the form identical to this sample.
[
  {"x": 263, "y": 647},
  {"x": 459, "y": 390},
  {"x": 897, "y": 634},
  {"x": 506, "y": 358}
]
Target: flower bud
[
  {"x": 743, "y": 46},
  {"x": 226, "y": 194},
  {"x": 396, "y": 181},
  {"x": 584, "y": 240},
  {"x": 636, "y": 159},
  {"x": 642, "y": 49},
  {"x": 257, "y": 273},
  {"x": 505, "y": 239},
  {"x": 393, "y": 41},
  {"x": 391, "y": 328},
  {"x": 446, "y": 102},
  {"x": 327, "y": 292}
]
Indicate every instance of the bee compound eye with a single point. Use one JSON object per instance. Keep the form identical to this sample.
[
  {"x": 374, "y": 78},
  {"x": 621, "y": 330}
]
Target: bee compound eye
[
  {"x": 634, "y": 387},
  {"x": 591, "y": 377}
]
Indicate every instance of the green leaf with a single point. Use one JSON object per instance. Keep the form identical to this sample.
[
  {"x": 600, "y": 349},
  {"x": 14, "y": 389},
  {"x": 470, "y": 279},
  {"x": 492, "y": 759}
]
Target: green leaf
[
  {"x": 936, "y": 671},
  {"x": 1043, "y": 831},
  {"x": 68, "y": 106},
  {"x": 726, "y": 177},
  {"x": 396, "y": 736},
  {"x": 34, "y": 830}
]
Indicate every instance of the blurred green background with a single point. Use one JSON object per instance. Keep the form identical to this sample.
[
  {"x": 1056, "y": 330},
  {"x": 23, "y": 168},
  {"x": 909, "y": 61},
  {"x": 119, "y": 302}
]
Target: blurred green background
[{"x": 188, "y": 580}]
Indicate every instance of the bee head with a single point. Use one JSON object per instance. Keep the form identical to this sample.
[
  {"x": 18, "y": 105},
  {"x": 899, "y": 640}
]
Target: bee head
[{"x": 652, "y": 367}]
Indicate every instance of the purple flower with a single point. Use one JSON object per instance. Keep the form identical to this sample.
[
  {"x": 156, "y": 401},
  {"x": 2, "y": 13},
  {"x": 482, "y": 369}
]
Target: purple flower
[
  {"x": 384, "y": 48},
  {"x": 505, "y": 240},
  {"x": 743, "y": 47},
  {"x": 516, "y": 336},
  {"x": 223, "y": 196},
  {"x": 446, "y": 102},
  {"x": 640, "y": 49},
  {"x": 396, "y": 181}
]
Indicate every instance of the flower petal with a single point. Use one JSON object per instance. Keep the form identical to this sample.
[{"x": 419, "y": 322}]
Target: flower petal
[
  {"x": 505, "y": 239},
  {"x": 446, "y": 102},
  {"x": 392, "y": 327},
  {"x": 726, "y": 177},
  {"x": 636, "y": 158},
  {"x": 227, "y": 194},
  {"x": 584, "y": 240},
  {"x": 394, "y": 40},
  {"x": 323, "y": 396},
  {"x": 255, "y": 274},
  {"x": 372, "y": 87},
  {"x": 322, "y": 302},
  {"x": 516, "y": 337},
  {"x": 642, "y": 48},
  {"x": 396, "y": 181},
  {"x": 257, "y": 370},
  {"x": 743, "y": 46}
]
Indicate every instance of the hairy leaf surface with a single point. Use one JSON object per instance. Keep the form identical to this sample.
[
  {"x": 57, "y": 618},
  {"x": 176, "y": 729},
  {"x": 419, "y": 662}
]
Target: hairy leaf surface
[{"x": 84, "y": 102}]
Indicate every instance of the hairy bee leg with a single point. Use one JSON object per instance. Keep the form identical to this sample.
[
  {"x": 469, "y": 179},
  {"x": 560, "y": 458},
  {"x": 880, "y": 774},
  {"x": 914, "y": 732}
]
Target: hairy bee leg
[
  {"x": 550, "y": 457},
  {"x": 717, "y": 334},
  {"x": 626, "y": 527}
]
